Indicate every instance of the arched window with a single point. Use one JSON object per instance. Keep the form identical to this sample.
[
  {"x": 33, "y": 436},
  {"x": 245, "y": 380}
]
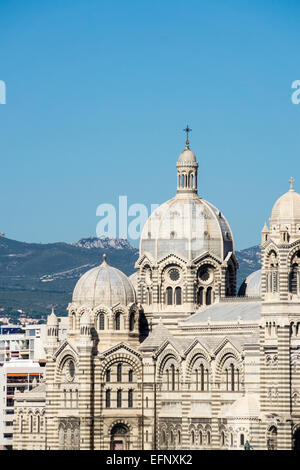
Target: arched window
[
  {"x": 131, "y": 321},
  {"x": 172, "y": 377},
  {"x": 272, "y": 438},
  {"x": 130, "y": 398},
  {"x": 38, "y": 424},
  {"x": 107, "y": 398},
  {"x": 208, "y": 295},
  {"x": 208, "y": 435},
  {"x": 118, "y": 321},
  {"x": 293, "y": 280},
  {"x": 202, "y": 377},
  {"x": 179, "y": 437},
  {"x": 107, "y": 375},
  {"x": 232, "y": 377},
  {"x": 222, "y": 439},
  {"x": 31, "y": 423},
  {"x": 242, "y": 439},
  {"x": 130, "y": 375},
  {"x": 231, "y": 440},
  {"x": 169, "y": 292},
  {"x": 101, "y": 321},
  {"x": 200, "y": 438},
  {"x": 119, "y": 372},
  {"x": 193, "y": 437},
  {"x": 178, "y": 296},
  {"x": 119, "y": 398},
  {"x": 200, "y": 296}
]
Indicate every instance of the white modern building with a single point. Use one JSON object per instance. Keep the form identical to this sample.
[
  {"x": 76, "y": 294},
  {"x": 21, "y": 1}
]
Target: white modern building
[
  {"x": 15, "y": 375},
  {"x": 22, "y": 364}
]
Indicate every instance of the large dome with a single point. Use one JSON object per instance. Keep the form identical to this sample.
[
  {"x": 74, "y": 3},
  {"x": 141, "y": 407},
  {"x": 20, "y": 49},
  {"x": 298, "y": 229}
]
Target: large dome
[
  {"x": 287, "y": 208},
  {"x": 187, "y": 226},
  {"x": 103, "y": 285}
]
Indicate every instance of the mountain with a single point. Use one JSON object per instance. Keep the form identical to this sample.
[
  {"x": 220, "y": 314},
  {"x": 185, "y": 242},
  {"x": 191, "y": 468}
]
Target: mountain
[
  {"x": 249, "y": 261},
  {"x": 34, "y": 277}
]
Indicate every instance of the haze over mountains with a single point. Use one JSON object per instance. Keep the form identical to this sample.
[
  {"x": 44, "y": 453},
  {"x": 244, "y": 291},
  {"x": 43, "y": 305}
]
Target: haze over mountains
[{"x": 34, "y": 277}]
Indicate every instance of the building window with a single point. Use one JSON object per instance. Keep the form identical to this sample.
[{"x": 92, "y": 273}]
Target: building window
[
  {"x": 178, "y": 296},
  {"x": 130, "y": 375},
  {"x": 169, "y": 292},
  {"x": 107, "y": 398},
  {"x": 172, "y": 368},
  {"x": 208, "y": 296},
  {"x": 119, "y": 399},
  {"x": 200, "y": 296},
  {"x": 101, "y": 321},
  {"x": 119, "y": 372},
  {"x": 118, "y": 321},
  {"x": 130, "y": 398},
  {"x": 131, "y": 321},
  {"x": 242, "y": 439},
  {"x": 107, "y": 375}
]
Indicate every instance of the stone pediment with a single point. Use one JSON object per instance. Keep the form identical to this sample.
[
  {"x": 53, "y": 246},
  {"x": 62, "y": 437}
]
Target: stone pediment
[
  {"x": 66, "y": 345},
  {"x": 146, "y": 257},
  {"x": 164, "y": 345},
  {"x": 226, "y": 342},
  {"x": 206, "y": 254},
  {"x": 193, "y": 345},
  {"x": 121, "y": 347}
]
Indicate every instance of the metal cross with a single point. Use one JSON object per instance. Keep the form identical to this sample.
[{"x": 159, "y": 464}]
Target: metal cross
[
  {"x": 291, "y": 181},
  {"x": 187, "y": 130}
]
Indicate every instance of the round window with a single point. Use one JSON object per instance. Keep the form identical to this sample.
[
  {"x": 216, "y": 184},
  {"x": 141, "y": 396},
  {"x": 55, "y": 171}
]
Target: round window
[
  {"x": 174, "y": 274},
  {"x": 206, "y": 274}
]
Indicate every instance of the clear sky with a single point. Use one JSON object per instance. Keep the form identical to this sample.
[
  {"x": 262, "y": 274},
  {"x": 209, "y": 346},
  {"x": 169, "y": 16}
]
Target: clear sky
[{"x": 98, "y": 93}]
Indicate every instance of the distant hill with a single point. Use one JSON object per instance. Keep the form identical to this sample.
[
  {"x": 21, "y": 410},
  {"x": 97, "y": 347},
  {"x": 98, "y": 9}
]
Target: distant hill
[
  {"x": 249, "y": 261},
  {"x": 34, "y": 277}
]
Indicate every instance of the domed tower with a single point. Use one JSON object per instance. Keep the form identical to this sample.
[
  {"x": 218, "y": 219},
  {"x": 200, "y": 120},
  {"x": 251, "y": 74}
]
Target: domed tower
[
  {"x": 281, "y": 249},
  {"x": 186, "y": 257},
  {"x": 280, "y": 318},
  {"x": 107, "y": 298}
]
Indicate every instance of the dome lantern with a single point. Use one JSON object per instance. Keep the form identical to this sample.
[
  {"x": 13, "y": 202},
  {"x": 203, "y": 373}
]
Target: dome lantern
[{"x": 187, "y": 169}]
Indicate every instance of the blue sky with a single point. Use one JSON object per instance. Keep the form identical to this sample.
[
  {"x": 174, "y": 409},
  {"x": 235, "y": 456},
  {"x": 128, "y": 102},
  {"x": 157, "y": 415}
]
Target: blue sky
[{"x": 98, "y": 94}]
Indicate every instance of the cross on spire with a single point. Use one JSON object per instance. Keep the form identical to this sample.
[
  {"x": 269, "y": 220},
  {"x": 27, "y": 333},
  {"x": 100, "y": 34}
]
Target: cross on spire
[
  {"x": 291, "y": 181},
  {"x": 187, "y": 130}
]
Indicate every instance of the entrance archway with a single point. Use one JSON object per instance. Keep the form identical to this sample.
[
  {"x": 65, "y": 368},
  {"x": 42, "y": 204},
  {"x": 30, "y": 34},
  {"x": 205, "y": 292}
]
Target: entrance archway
[
  {"x": 119, "y": 439},
  {"x": 296, "y": 439},
  {"x": 272, "y": 438}
]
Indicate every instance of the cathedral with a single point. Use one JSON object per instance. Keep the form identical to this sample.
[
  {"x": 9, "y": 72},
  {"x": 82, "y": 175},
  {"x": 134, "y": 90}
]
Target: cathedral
[{"x": 173, "y": 357}]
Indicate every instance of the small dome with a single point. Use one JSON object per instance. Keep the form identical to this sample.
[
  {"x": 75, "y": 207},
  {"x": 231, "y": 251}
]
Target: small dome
[
  {"x": 187, "y": 156},
  {"x": 52, "y": 320},
  {"x": 251, "y": 286},
  {"x": 103, "y": 285},
  {"x": 286, "y": 208}
]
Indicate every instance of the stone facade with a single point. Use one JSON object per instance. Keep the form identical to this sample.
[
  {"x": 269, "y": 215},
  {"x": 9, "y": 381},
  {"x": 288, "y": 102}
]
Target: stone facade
[{"x": 171, "y": 358}]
